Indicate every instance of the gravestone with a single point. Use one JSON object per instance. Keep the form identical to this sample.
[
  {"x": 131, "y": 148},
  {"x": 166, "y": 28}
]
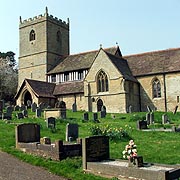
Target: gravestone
[
  {"x": 151, "y": 118},
  {"x": 149, "y": 109},
  {"x": 95, "y": 116},
  {"x": 25, "y": 113},
  {"x": 8, "y": 114},
  {"x": 141, "y": 124},
  {"x": 33, "y": 107},
  {"x": 16, "y": 108},
  {"x": 9, "y": 109},
  {"x": 164, "y": 119},
  {"x": 23, "y": 107},
  {"x": 95, "y": 149},
  {"x": 27, "y": 133},
  {"x": 130, "y": 109},
  {"x": 28, "y": 104},
  {"x": 74, "y": 107},
  {"x": 1, "y": 105},
  {"x": 71, "y": 132},
  {"x": 148, "y": 118},
  {"x": 42, "y": 105},
  {"x": 103, "y": 112},
  {"x": 51, "y": 122},
  {"x": 86, "y": 116},
  {"x": 19, "y": 115},
  {"x": 38, "y": 112}
]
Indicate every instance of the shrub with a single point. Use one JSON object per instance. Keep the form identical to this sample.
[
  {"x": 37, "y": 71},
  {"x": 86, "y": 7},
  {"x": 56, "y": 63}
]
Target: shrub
[{"x": 113, "y": 133}]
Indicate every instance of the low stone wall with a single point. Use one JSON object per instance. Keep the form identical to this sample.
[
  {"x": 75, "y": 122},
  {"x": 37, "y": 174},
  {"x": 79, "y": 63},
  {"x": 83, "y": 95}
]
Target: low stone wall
[
  {"x": 57, "y": 151},
  {"x": 120, "y": 169}
]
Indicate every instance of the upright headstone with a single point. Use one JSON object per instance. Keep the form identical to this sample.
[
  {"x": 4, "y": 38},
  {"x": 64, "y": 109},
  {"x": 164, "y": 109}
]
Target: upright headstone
[
  {"x": 149, "y": 109},
  {"x": 95, "y": 116},
  {"x": 86, "y": 116},
  {"x": 25, "y": 113},
  {"x": 28, "y": 103},
  {"x": 95, "y": 149},
  {"x": 103, "y": 112},
  {"x": 151, "y": 118},
  {"x": 164, "y": 118},
  {"x": 19, "y": 115},
  {"x": 71, "y": 132},
  {"x": 74, "y": 107},
  {"x": 23, "y": 107},
  {"x": 141, "y": 124},
  {"x": 148, "y": 118},
  {"x": 130, "y": 109},
  {"x": 62, "y": 108},
  {"x": 9, "y": 109},
  {"x": 51, "y": 122},
  {"x": 1, "y": 105},
  {"x": 8, "y": 114},
  {"x": 38, "y": 112},
  {"x": 16, "y": 108},
  {"x": 33, "y": 107}
]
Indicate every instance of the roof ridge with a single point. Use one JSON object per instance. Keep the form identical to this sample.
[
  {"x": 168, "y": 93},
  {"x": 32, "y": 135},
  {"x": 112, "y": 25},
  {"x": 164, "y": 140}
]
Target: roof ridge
[{"x": 150, "y": 52}]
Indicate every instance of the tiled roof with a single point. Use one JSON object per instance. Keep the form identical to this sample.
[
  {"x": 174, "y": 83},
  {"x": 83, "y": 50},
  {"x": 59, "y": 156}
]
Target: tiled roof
[
  {"x": 122, "y": 65},
  {"x": 80, "y": 61},
  {"x": 69, "y": 88},
  {"x": 41, "y": 88},
  {"x": 154, "y": 62}
]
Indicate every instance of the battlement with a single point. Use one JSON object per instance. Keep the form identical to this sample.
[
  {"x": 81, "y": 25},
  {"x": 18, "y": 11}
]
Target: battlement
[{"x": 41, "y": 17}]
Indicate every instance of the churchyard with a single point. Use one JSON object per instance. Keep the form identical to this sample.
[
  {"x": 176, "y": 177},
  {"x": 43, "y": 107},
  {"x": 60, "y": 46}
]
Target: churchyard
[{"x": 157, "y": 137}]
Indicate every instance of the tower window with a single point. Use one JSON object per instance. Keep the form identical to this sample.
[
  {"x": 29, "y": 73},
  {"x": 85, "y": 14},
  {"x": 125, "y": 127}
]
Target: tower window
[
  {"x": 102, "y": 82},
  {"x": 32, "y": 35},
  {"x": 156, "y": 88}
]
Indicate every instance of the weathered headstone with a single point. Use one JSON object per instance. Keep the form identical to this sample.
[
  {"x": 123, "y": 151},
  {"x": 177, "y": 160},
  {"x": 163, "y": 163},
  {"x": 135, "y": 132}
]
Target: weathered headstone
[
  {"x": 1, "y": 105},
  {"x": 130, "y": 109},
  {"x": 148, "y": 118},
  {"x": 95, "y": 149},
  {"x": 103, "y": 112},
  {"x": 33, "y": 107},
  {"x": 62, "y": 108},
  {"x": 25, "y": 113},
  {"x": 71, "y": 132},
  {"x": 38, "y": 112},
  {"x": 151, "y": 118},
  {"x": 19, "y": 115},
  {"x": 74, "y": 107},
  {"x": 95, "y": 116},
  {"x": 86, "y": 116},
  {"x": 141, "y": 124},
  {"x": 23, "y": 107},
  {"x": 51, "y": 122},
  {"x": 28, "y": 103},
  {"x": 164, "y": 119},
  {"x": 16, "y": 108}
]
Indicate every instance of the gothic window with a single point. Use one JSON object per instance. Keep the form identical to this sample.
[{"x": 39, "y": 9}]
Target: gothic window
[
  {"x": 32, "y": 35},
  {"x": 102, "y": 82},
  {"x": 156, "y": 88}
]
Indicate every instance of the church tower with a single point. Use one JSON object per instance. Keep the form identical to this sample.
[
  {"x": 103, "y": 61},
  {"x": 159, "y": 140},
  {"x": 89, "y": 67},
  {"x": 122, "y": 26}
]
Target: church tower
[{"x": 42, "y": 41}]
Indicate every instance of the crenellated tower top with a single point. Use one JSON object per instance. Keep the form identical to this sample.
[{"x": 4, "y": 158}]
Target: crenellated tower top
[{"x": 44, "y": 17}]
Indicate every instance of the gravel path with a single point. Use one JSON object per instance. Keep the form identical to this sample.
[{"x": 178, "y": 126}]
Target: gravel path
[{"x": 13, "y": 169}]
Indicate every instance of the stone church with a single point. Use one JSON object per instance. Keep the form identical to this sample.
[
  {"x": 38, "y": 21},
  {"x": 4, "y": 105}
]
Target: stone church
[{"x": 104, "y": 77}]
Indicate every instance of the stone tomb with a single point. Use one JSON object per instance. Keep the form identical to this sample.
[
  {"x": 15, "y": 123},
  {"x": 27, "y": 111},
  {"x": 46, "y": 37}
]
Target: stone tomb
[
  {"x": 71, "y": 132},
  {"x": 28, "y": 140}
]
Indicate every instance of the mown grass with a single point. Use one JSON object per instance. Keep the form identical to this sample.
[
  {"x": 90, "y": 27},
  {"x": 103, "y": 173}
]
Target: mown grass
[{"x": 154, "y": 146}]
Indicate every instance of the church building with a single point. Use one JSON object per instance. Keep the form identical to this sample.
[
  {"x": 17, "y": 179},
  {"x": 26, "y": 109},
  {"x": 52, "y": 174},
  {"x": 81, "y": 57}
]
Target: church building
[{"x": 48, "y": 73}]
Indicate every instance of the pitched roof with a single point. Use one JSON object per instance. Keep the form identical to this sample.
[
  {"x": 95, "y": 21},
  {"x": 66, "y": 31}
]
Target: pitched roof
[
  {"x": 69, "y": 88},
  {"x": 40, "y": 88},
  {"x": 154, "y": 62},
  {"x": 80, "y": 61},
  {"x": 122, "y": 66}
]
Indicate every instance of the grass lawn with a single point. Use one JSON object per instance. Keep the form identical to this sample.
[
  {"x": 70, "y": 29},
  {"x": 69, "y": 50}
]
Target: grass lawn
[{"x": 154, "y": 146}]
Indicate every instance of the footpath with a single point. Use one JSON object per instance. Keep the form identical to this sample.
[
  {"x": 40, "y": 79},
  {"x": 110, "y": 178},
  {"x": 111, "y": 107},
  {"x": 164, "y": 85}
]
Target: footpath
[{"x": 12, "y": 168}]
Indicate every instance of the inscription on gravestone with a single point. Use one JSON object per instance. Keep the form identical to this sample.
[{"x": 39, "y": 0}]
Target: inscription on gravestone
[{"x": 95, "y": 148}]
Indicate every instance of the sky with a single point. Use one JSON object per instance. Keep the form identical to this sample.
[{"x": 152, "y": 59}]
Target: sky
[{"x": 137, "y": 26}]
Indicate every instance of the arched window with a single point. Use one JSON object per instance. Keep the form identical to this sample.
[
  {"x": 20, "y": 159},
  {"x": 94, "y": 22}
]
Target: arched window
[
  {"x": 32, "y": 35},
  {"x": 102, "y": 82},
  {"x": 156, "y": 88}
]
